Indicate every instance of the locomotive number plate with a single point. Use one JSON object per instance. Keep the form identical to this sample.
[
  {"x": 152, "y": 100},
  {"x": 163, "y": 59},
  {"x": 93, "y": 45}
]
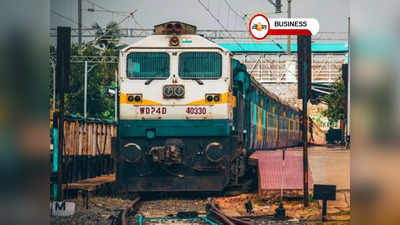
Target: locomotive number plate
[
  {"x": 196, "y": 110},
  {"x": 149, "y": 110}
]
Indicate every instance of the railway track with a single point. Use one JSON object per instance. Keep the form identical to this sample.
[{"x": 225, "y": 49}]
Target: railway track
[
  {"x": 156, "y": 210},
  {"x": 214, "y": 216}
]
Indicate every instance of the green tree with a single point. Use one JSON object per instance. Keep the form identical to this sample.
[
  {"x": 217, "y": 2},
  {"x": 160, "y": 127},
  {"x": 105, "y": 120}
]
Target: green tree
[
  {"x": 101, "y": 74},
  {"x": 75, "y": 97},
  {"x": 335, "y": 101},
  {"x": 108, "y": 40}
]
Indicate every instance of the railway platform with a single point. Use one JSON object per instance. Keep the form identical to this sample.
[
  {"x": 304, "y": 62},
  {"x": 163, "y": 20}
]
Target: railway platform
[{"x": 87, "y": 186}]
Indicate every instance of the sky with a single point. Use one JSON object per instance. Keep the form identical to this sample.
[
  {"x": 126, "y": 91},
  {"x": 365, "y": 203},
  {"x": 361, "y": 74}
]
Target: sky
[{"x": 332, "y": 15}]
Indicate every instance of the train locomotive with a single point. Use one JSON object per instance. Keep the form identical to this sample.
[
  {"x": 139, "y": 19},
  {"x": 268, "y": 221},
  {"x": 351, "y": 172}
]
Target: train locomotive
[{"x": 190, "y": 115}]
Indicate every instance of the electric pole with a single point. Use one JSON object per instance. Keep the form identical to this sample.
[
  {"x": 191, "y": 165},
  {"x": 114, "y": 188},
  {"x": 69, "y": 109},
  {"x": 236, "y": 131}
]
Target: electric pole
[
  {"x": 304, "y": 92},
  {"x": 277, "y": 4},
  {"x": 80, "y": 22},
  {"x": 62, "y": 72},
  {"x": 85, "y": 91},
  {"x": 348, "y": 87}
]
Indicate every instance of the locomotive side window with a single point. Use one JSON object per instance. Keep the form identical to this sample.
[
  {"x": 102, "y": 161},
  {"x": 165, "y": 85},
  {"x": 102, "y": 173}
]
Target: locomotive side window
[
  {"x": 200, "y": 65},
  {"x": 143, "y": 65}
]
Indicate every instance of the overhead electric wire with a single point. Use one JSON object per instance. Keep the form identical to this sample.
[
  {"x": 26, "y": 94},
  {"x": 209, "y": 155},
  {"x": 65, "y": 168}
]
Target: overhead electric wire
[
  {"x": 108, "y": 30},
  {"x": 221, "y": 24},
  {"x": 138, "y": 24},
  {"x": 226, "y": 30},
  {"x": 244, "y": 18},
  {"x": 273, "y": 3},
  {"x": 101, "y": 7},
  {"x": 235, "y": 11},
  {"x": 62, "y": 16},
  {"x": 109, "y": 11},
  {"x": 276, "y": 43},
  {"x": 67, "y": 18}
]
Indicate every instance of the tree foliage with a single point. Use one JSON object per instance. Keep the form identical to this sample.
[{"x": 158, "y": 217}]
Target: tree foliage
[
  {"x": 335, "y": 102},
  {"x": 101, "y": 74}
]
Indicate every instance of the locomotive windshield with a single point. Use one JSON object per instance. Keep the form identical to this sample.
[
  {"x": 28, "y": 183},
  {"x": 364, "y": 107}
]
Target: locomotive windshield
[
  {"x": 143, "y": 65},
  {"x": 200, "y": 65}
]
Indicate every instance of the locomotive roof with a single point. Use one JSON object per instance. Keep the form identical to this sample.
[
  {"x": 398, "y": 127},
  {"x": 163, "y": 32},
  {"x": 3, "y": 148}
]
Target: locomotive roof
[{"x": 186, "y": 41}]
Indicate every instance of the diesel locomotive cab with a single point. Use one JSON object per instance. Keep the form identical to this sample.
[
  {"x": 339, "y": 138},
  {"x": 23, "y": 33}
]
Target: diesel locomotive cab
[{"x": 175, "y": 113}]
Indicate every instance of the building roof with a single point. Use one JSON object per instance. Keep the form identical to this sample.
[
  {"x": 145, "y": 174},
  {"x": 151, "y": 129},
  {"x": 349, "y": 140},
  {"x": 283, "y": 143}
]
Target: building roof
[{"x": 340, "y": 47}]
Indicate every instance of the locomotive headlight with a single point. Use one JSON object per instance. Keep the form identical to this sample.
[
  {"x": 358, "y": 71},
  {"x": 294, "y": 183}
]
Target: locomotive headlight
[
  {"x": 209, "y": 98},
  {"x": 174, "y": 91},
  {"x": 138, "y": 98},
  {"x": 213, "y": 97},
  {"x": 179, "y": 91},
  {"x": 134, "y": 97},
  {"x": 168, "y": 91},
  {"x": 216, "y": 98}
]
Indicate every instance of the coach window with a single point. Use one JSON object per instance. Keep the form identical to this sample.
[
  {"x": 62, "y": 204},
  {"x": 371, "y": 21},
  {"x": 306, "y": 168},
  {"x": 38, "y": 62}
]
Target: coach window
[
  {"x": 144, "y": 65},
  {"x": 200, "y": 65}
]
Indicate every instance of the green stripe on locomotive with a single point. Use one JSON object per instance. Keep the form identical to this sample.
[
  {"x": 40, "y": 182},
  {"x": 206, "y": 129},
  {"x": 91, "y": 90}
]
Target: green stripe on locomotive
[{"x": 175, "y": 128}]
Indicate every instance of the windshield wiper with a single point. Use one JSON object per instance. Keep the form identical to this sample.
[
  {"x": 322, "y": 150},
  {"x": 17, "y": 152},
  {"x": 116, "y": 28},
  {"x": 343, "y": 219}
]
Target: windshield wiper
[
  {"x": 148, "y": 81},
  {"x": 198, "y": 81}
]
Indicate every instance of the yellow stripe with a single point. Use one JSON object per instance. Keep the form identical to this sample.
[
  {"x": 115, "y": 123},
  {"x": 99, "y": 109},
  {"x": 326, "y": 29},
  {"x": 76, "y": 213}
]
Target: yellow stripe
[
  {"x": 266, "y": 126},
  {"x": 224, "y": 98},
  {"x": 123, "y": 99},
  {"x": 277, "y": 128},
  {"x": 259, "y": 128}
]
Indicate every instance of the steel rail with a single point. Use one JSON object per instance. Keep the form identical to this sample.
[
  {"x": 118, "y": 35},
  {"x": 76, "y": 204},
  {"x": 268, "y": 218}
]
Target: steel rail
[
  {"x": 228, "y": 219},
  {"x": 130, "y": 206}
]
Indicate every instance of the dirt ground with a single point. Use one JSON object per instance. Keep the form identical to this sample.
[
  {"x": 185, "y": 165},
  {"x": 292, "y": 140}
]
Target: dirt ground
[
  {"x": 328, "y": 165},
  {"x": 102, "y": 210},
  {"x": 337, "y": 210}
]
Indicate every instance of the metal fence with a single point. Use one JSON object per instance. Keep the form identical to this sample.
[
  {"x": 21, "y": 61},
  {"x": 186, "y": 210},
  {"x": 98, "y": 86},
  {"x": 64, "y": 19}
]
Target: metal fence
[{"x": 282, "y": 68}]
